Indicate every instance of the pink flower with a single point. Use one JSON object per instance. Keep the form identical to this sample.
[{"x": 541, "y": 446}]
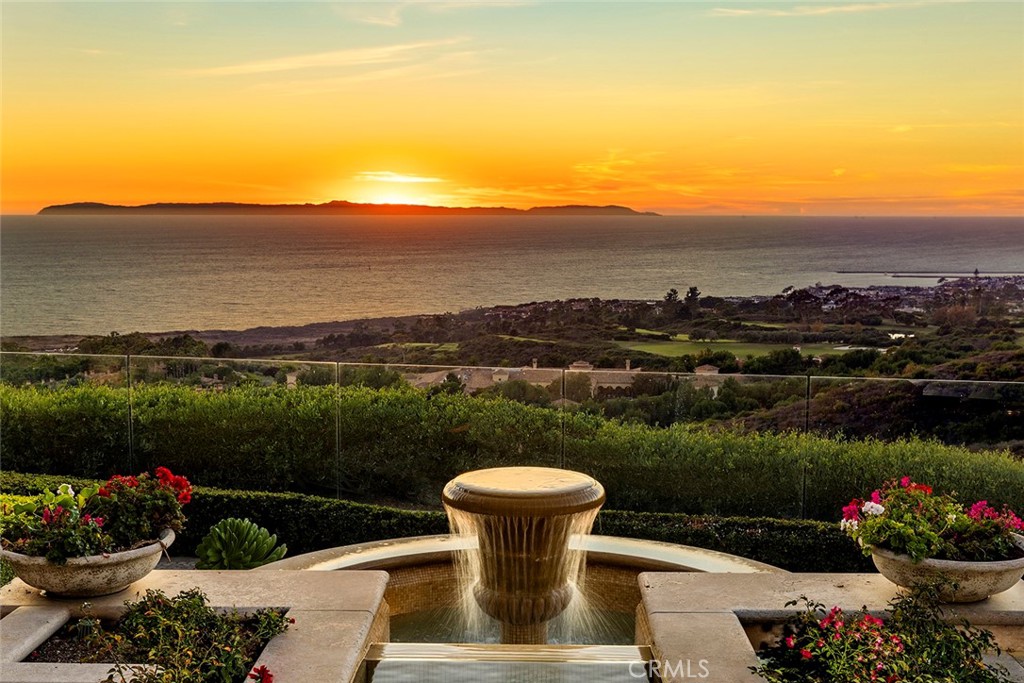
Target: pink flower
[
  {"x": 905, "y": 482},
  {"x": 805, "y": 653},
  {"x": 876, "y": 497},
  {"x": 790, "y": 641},
  {"x": 982, "y": 510},
  {"x": 1012, "y": 521},
  {"x": 851, "y": 512}
]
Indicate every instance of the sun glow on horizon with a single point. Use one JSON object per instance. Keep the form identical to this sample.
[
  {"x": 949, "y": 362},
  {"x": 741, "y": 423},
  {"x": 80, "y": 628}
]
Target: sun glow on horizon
[
  {"x": 396, "y": 198},
  {"x": 390, "y": 187}
]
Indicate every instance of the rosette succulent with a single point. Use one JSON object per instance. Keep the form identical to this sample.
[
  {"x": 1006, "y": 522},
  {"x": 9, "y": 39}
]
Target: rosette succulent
[{"x": 238, "y": 544}]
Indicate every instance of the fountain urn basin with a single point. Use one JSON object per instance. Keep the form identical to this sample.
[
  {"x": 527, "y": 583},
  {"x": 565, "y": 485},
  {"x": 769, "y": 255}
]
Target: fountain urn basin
[{"x": 523, "y": 517}]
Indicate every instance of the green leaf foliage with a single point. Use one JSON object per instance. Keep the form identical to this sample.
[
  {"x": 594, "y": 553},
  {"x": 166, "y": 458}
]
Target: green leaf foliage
[
  {"x": 401, "y": 444},
  {"x": 917, "y": 641},
  {"x": 308, "y": 523},
  {"x": 161, "y": 639}
]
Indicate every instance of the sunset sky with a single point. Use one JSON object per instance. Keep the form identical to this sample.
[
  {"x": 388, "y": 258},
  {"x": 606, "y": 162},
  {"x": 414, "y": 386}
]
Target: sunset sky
[{"x": 902, "y": 107}]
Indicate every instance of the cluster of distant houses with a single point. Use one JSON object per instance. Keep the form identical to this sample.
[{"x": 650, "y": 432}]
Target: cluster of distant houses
[{"x": 475, "y": 379}]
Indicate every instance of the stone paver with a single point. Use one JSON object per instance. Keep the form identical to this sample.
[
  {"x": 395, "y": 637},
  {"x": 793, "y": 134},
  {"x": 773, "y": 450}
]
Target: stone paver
[
  {"x": 757, "y": 597},
  {"x": 319, "y": 646},
  {"x": 710, "y": 647},
  {"x": 53, "y": 673},
  {"x": 244, "y": 590},
  {"x": 24, "y": 629},
  {"x": 1012, "y": 666}
]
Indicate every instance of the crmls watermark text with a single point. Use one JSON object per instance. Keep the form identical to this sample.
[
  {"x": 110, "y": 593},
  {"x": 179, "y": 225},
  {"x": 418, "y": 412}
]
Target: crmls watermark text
[{"x": 661, "y": 669}]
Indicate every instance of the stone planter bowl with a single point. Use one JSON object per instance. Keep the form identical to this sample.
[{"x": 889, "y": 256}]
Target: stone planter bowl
[
  {"x": 975, "y": 580},
  {"x": 89, "y": 577}
]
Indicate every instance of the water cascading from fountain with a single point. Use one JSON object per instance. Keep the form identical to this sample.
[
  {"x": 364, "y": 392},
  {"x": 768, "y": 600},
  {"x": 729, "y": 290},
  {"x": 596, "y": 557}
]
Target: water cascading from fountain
[{"x": 519, "y": 566}]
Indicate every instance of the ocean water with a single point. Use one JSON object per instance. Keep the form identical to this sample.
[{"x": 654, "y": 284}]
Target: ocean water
[{"x": 97, "y": 274}]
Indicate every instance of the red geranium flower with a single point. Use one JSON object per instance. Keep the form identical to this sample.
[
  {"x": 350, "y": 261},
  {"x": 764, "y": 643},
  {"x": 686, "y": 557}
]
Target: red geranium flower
[{"x": 261, "y": 674}]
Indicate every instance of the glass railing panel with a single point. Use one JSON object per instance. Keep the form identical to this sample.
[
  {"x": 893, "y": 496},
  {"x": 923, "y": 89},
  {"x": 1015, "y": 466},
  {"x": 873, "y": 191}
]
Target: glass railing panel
[
  {"x": 747, "y": 403},
  {"x": 976, "y": 414},
  {"x": 842, "y": 411},
  {"x": 970, "y": 417},
  {"x": 378, "y": 432},
  {"x": 677, "y": 442},
  {"x": 452, "y": 419},
  {"x": 247, "y": 424},
  {"x": 853, "y": 407},
  {"x": 65, "y": 414},
  {"x": 979, "y": 415}
]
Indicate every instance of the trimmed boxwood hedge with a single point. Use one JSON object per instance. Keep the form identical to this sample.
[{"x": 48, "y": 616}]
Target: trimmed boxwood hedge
[
  {"x": 307, "y": 523},
  {"x": 401, "y": 444}
]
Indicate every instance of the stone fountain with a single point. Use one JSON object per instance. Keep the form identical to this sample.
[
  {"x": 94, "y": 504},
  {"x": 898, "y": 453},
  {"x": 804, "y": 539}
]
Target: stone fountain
[{"x": 522, "y": 571}]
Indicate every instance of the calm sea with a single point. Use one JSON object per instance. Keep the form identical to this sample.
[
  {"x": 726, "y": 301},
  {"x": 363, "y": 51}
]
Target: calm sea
[{"x": 97, "y": 274}]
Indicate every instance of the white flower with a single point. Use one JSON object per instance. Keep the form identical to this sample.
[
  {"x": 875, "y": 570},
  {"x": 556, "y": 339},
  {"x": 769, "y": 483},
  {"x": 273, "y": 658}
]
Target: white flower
[
  {"x": 848, "y": 525},
  {"x": 871, "y": 508},
  {"x": 951, "y": 517},
  {"x": 65, "y": 490}
]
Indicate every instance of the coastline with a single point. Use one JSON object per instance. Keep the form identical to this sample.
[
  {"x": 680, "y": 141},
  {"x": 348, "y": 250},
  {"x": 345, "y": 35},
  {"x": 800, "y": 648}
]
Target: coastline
[{"x": 306, "y": 333}]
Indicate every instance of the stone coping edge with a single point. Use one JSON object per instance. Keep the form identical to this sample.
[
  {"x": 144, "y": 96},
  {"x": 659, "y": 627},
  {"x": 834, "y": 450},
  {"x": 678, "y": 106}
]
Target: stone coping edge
[{"x": 334, "y": 614}]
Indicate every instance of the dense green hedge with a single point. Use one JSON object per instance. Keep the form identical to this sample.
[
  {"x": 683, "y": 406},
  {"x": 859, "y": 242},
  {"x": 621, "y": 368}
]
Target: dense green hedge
[
  {"x": 308, "y": 523},
  {"x": 400, "y": 444}
]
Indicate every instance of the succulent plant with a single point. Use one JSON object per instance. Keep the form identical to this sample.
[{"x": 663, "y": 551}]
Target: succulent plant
[{"x": 238, "y": 544}]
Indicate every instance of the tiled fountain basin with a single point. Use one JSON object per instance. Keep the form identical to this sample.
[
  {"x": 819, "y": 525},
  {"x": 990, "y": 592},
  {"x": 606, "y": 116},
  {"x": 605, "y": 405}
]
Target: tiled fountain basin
[
  {"x": 337, "y": 616},
  {"x": 422, "y": 574}
]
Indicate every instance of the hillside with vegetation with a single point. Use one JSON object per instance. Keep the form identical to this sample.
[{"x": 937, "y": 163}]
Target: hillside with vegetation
[{"x": 683, "y": 359}]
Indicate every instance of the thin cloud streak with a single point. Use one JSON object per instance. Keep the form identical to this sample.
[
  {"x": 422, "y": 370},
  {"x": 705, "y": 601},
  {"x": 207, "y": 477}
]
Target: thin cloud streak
[
  {"x": 445, "y": 66},
  {"x": 382, "y": 54},
  {"x": 392, "y": 177},
  {"x": 391, "y": 15},
  {"x": 375, "y": 15},
  {"x": 824, "y": 10}
]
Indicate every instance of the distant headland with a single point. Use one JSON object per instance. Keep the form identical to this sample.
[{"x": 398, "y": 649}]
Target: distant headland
[{"x": 338, "y": 208}]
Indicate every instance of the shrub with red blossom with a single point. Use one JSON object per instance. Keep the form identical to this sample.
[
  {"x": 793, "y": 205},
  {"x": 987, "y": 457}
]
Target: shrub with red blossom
[
  {"x": 125, "y": 512},
  {"x": 914, "y": 642}
]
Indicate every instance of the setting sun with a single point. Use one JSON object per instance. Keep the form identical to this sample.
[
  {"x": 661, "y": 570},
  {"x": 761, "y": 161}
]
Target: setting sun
[
  {"x": 393, "y": 198},
  {"x": 389, "y": 187}
]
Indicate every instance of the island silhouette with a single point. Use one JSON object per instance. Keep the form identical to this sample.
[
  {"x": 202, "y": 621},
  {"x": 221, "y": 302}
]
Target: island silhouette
[{"x": 337, "y": 207}]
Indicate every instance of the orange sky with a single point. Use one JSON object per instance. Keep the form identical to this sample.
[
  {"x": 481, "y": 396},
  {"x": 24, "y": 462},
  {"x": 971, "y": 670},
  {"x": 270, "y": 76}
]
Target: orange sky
[{"x": 911, "y": 107}]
